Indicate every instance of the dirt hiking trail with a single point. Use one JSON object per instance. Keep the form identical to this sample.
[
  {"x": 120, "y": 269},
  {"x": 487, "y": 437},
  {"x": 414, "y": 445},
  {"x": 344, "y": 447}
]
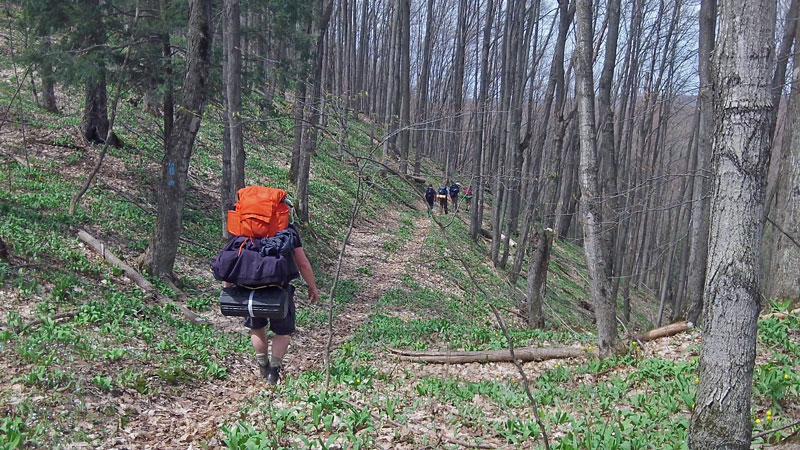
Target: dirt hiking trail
[{"x": 194, "y": 415}]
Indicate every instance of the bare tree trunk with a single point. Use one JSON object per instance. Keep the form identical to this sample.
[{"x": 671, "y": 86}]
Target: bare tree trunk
[
  {"x": 171, "y": 194},
  {"x": 744, "y": 58},
  {"x": 782, "y": 279},
  {"x": 405, "y": 83},
  {"x": 48, "y": 80},
  {"x": 94, "y": 125},
  {"x": 596, "y": 253},
  {"x": 233, "y": 87},
  {"x": 422, "y": 99},
  {"x": 310, "y": 138},
  {"x": 227, "y": 195},
  {"x": 478, "y": 153},
  {"x": 698, "y": 245},
  {"x": 565, "y": 207},
  {"x": 298, "y": 112},
  {"x": 454, "y": 143},
  {"x": 606, "y": 150},
  {"x": 388, "y": 119}
]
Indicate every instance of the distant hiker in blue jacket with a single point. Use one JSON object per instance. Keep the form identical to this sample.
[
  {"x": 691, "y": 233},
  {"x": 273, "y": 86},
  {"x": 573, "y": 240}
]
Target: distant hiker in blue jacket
[
  {"x": 455, "y": 188},
  {"x": 430, "y": 195}
]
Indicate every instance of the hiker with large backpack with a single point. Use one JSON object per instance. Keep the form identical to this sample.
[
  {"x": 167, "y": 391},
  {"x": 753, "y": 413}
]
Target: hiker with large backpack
[
  {"x": 442, "y": 196},
  {"x": 257, "y": 265},
  {"x": 430, "y": 195},
  {"x": 454, "y": 190}
]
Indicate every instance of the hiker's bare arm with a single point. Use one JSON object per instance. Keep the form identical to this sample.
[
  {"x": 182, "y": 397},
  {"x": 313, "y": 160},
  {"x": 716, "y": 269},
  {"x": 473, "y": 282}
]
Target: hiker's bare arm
[{"x": 304, "y": 266}]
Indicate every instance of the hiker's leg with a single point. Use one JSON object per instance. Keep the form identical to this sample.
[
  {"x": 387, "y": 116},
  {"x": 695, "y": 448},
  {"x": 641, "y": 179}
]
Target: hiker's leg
[
  {"x": 280, "y": 345},
  {"x": 260, "y": 341}
]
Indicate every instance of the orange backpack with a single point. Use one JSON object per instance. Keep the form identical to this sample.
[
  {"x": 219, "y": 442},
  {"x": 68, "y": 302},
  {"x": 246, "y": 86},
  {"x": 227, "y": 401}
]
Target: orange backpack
[{"x": 260, "y": 212}]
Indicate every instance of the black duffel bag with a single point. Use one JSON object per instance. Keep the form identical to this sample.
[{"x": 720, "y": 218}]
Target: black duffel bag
[
  {"x": 243, "y": 261},
  {"x": 271, "y": 302}
]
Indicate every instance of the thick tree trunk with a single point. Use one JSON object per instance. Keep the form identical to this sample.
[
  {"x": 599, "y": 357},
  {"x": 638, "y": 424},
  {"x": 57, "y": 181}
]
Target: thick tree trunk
[
  {"x": 94, "y": 126},
  {"x": 541, "y": 241},
  {"x": 596, "y": 252},
  {"x": 171, "y": 194},
  {"x": 744, "y": 58},
  {"x": 389, "y": 124}
]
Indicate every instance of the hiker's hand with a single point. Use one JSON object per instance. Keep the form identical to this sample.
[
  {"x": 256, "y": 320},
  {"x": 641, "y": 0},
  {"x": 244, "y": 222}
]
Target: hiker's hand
[{"x": 313, "y": 295}]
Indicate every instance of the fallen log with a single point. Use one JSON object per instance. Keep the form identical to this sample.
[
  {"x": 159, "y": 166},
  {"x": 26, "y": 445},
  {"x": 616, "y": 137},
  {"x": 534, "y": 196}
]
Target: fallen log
[
  {"x": 526, "y": 354},
  {"x": 665, "y": 331},
  {"x": 488, "y": 235},
  {"x": 101, "y": 249},
  {"x": 416, "y": 179},
  {"x": 523, "y": 354}
]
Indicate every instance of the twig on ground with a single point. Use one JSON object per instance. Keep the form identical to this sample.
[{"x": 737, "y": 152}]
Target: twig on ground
[
  {"x": 775, "y": 430},
  {"x": 54, "y": 318}
]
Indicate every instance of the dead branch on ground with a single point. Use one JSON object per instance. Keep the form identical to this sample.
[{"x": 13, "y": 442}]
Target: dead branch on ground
[{"x": 101, "y": 249}]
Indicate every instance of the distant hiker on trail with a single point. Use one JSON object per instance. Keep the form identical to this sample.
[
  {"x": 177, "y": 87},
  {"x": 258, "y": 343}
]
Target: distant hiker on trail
[
  {"x": 262, "y": 258},
  {"x": 442, "y": 199},
  {"x": 454, "y": 190},
  {"x": 430, "y": 195},
  {"x": 468, "y": 196}
]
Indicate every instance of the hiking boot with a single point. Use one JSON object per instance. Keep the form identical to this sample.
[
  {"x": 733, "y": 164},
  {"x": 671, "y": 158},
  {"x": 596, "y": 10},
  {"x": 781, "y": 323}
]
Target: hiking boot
[
  {"x": 273, "y": 375},
  {"x": 264, "y": 370}
]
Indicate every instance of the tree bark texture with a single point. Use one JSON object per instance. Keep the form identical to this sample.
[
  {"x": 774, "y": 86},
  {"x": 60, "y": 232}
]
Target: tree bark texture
[
  {"x": 743, "y": 104},
  {"x": 542, "y": 242},
  {"x": 596, "y": 254},
  {"x": 171, "y": 194}
]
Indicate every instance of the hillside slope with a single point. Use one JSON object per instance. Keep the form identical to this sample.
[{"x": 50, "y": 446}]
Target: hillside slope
[{"x": 121, "y": 371}]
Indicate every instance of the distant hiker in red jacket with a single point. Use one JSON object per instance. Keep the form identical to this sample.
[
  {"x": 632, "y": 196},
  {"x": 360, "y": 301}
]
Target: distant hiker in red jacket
[{"x": 468, "y": 197}]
